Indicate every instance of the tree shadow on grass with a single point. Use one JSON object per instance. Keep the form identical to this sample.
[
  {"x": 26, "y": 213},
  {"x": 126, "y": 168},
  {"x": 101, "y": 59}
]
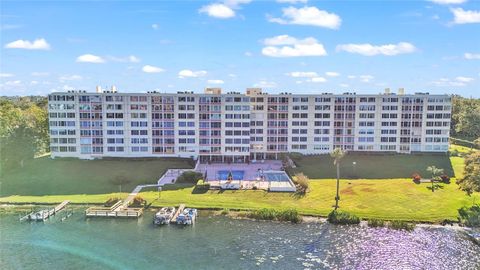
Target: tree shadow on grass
[{"x": 435, "y": 187}]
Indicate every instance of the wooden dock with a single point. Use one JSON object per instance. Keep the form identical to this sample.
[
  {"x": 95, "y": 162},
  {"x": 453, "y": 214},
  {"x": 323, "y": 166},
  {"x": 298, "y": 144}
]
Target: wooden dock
[
  {"x": 44, "y": 214},
  {"x": 179, "y": 211},
  {"x": 116, "y": 210}
]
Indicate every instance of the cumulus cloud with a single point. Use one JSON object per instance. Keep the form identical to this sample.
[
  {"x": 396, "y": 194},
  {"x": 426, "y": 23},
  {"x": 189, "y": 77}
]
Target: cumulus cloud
[
  {"x": 366, "y": 78},
  {"x": 215, "y": 82},
  {"x": 448, "y": 2},
  {"x": 302, "y": 74},
  {"x": 70, "y": 78},
  {"x": 127, "y": 59},
  {"x": 287, "y": 46},
  {"x": 462, "y": 16},
  {"x": 318, "y": 80},
  {"x": 308, "y": 16},
  {"x": 37, "y": 44},
  {"x": 472, "y": 56},
  {"x": 459, "y": 81},
  {"x": 371, "y": 50},
  {"x": 187, "y": 73},
  {"x": 152, "y": 69},
  {"x": 223, "y": 10},
  {"x": 332, "y": 74},
  {"x": 6, "y": 75},
  {"x": 292, "y": 1},
  {"x": 90, "y": 58},
  {"x": 265, "y": 84}
]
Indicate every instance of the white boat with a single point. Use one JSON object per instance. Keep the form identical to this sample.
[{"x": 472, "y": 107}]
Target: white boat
[
  {"x": 187, "y": 217},
  {"x": 164, "y": 216}
]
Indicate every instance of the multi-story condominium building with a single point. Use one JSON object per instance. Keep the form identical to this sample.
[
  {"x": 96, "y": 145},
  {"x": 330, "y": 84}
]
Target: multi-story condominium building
[{"x": 235, "y": 127}]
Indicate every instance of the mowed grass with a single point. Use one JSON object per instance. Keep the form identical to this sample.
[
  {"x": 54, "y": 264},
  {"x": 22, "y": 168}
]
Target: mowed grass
[
  {"x": 372, "y": 166},
  {"x": 44, "y": 176},
  {"x": 396, "y": 198}
]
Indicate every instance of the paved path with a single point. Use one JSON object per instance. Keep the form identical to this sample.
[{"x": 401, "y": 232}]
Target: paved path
[{"x": 133, "y": 194}]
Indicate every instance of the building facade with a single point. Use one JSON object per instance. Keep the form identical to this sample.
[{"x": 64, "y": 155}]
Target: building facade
[{"x": 235, "y": 127}]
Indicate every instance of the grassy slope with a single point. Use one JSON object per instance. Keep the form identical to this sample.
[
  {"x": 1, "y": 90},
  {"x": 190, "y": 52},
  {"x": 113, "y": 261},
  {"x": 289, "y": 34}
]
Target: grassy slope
[
  {"x": 44, "y": 176},
  {"x": 369, "y": 198}
]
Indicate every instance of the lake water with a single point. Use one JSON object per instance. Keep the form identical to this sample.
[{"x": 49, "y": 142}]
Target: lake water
[{"x": 223, "y": 243}]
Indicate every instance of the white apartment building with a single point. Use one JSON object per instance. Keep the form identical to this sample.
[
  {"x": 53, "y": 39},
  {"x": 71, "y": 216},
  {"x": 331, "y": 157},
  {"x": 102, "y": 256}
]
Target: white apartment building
[{"x": 235, "y": 127}]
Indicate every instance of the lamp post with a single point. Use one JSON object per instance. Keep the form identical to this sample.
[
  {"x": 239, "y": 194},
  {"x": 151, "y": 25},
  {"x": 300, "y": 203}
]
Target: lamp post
[{"x": 354, "y": 168}]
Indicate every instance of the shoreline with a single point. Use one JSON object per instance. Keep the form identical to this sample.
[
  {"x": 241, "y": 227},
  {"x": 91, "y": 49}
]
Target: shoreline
[{"x": 231, "y": 213}]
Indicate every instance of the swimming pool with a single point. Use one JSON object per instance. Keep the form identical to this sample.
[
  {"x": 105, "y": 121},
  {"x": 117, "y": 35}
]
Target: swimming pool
[
  {"x": 276, "y": 177},
  {"x": 236, "y": 175}
]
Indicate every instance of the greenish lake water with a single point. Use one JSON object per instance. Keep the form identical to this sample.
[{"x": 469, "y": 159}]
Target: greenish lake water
[{"x": 223, "y": 243}]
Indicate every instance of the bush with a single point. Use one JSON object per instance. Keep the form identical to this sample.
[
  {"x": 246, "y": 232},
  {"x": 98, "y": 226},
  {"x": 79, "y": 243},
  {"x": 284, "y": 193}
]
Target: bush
[
  {"x": 301, "y": 183},
  {"x": 202, "y": 185},
  {"x": 416, "y": 177},
  {"x": 225, "y": 211},
  {"x": 137, "y": 202},
  {"x": 376, "y": 223},
  {"x": 342, "y": 217},
  {"x": 454, "y": 153},
  {"x": 401, "y": 225},
  {"x": 189, "y": 177},
  {"x": 296, "y": 156},
  {"x": 469, "y": 216},
  {"x": 445, "y": 178},
  {"x": 272, "y": 214}
]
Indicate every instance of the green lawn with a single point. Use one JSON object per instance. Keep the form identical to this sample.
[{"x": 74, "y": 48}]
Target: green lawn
[
  {"x": 44, "y": 176},
  {"x": 372, "y": 166},
  {"x": 396, "y": 198}
]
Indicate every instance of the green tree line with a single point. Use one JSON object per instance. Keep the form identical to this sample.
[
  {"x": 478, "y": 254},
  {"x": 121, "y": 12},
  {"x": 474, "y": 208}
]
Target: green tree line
[
  {"x": 23, "y": 130},
  {"x": 465, "y": 118}
]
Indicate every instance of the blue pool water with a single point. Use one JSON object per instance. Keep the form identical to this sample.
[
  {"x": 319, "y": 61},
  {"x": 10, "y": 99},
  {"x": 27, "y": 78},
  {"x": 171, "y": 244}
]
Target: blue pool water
[
  {"x": 223, "y": 175},
  {"x": 276, "y": 177}
]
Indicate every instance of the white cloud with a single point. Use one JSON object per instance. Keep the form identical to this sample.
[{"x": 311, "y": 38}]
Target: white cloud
[
  {"x": 127, "y": 59},
  {"x": 215, "y": 82},
  {"x": 223, "y": 10},
  {"x": 472, "y": 56},
  {"x": 332, "y": 74},
  {"x": 13, "y": 83},
  {"x": 464, "y": 79},
  {"x": 265, "y": 84},
  {"x": 37, "y": 44},
  {"x": 70, "y": 78},
  {"x": 6, "y": 75},
  {"x": 366, "y": 78},
  {"x": 318, "y": 80},
  {"x": 231, "y": 75},
  {"x": 155, "y": 26},
  {"x": 302, "y": 74},
  {"x": 152, "y": 69},
  {"x": 292, "y": 1},
  {"x": 459, "y": 81},
  {"x": 299, "y": 47},
  {"x": 448, "y": 2},
  {"x": 40, "y": 74},
  {"x": 220, "y": 11},
  {"x": 351, "y": 77},
  {"x": 371, "y": 50},
  {"x": 186, "y": 73},
  {"x": 308, "y": 16},
  {"x": 90, "y": 58},
  {"x": 344, "y": 85},
  {"x": 465, "y": 16}
]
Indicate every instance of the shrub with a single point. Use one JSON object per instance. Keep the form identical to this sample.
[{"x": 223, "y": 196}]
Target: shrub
[
  {"x": 470, "y": 216},
  {"x": 416, "y": 177},
  {"x": 272, "y": 214},
  {"x": 401, "y": 225},
  {"x": 225, "y": 211},
  {"x": 138, "y": 202},
  {"x": 301, "y": 183},
  {"x": 454, "y": 153},
  {"x": 189, "y": 177},
  {"x": 296, "y": 156},
  {"x": 445, "y": 178},
  {"x": 376, "y": 223},
  {"x": 342, "y": 217}
]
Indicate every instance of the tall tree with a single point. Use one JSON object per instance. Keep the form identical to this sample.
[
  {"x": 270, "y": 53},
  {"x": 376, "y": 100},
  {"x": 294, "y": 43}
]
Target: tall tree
[
  {"x": 470, "y": 182},
  {"x": 337, "y": 154}
]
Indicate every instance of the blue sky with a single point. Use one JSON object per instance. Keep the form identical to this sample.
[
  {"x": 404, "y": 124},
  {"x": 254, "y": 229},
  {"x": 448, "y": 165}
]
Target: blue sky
[{"x": 297, "y": 46}]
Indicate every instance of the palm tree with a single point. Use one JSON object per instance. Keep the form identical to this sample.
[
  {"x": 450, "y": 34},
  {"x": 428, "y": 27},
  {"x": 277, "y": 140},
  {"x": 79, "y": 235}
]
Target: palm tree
[
  {"x": 436, "y": 172},
  {"x": 337, "y": 154}
]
